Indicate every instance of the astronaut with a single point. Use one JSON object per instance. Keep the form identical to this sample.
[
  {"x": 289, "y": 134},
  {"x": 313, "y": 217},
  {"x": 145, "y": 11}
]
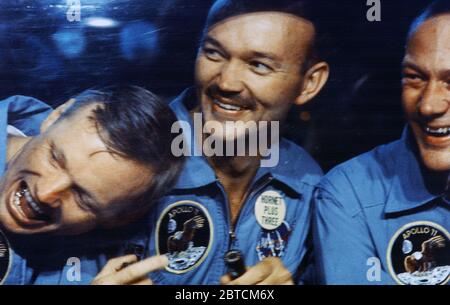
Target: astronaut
[
  {"x": 383, "y": 217},
  {"x": 256, "y": 60},
  {"x": 96, "y": 163}
]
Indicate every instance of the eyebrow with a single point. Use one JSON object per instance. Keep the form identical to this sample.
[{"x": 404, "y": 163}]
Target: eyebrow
[
  {"x": 410, "y": 65},
  {"x": 265, "y": 55},
  {"x": 254, "y": 54},
  {"x": 214, "y": 42},
  {"x": 446, "y": 73}
]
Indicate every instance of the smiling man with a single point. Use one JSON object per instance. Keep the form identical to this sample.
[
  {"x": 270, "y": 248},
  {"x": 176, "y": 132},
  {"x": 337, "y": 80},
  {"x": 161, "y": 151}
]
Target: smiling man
[
  {"x": 384, "y": 217},
  {"x": 256, "y": 61},
  {"x": 99, "y": 162}
]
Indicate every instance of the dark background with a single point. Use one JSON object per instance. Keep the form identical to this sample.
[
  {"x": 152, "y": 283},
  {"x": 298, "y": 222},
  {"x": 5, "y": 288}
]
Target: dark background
[{"x": 153, "y": 43}]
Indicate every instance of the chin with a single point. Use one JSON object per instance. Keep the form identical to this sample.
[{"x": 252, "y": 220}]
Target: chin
[
  {"x": 438, "y": 162},
  {"x": 6, "y": 220},
  {"x": 12, "y": 228},
  {"x": 10, "y": 225}
]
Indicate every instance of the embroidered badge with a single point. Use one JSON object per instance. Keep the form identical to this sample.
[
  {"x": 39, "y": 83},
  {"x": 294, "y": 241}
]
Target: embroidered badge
[
  {"x": 5, "y": 257},
  {"x": 419, "y": 254},
  {"x": 185, "y": 233},
  {"x": 273, "y": 242}
]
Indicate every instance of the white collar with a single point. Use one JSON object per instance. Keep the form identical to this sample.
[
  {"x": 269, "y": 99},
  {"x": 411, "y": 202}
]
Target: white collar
[{"x": 13, "y": 131}]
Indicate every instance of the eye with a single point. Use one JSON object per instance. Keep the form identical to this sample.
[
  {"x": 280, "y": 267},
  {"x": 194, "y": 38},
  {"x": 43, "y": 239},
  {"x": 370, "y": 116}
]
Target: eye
[
  {"x": 260, "y": 67},
  {"x": 53, "y": 155},
  {"x": 82, "y": 199},
  {"x": 79, "y": 196},
  {"x": 412, "y": 77},
  {"x": 212, "y": 54}
]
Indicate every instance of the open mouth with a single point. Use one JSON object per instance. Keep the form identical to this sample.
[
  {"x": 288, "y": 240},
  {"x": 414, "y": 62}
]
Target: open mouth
[
  {"x": 440, "y": 132},
  {"x": 228, "y": 106},
  {"x": 232, "y": 106},
  {"x": 26, "y": 209}
]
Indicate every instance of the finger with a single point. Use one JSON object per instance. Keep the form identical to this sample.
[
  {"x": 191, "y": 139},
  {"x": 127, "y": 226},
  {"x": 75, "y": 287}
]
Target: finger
[
  {"x": 278, "y": 279},
  {"x": 271, "y": 282},
  {"x": 138, "y": 270},
  {"x": 279, "y": 274},
  {"x": 114, "y": 264},
  {"x": 143, "y": 282},
  {"x": 224, "y": 280}
]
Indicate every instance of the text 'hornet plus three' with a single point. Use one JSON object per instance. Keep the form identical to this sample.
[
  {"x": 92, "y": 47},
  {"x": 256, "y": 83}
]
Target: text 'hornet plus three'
[
  {"x": 99, "y": 175},
  {"x": 223, "y": 203}
]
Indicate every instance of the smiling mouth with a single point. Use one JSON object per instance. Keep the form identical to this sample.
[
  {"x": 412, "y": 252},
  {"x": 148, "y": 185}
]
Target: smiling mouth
[
  {"x": 440, "y": 132},
  {"x": 230, "y": 106},
  {"x": 29, "y": 210}
]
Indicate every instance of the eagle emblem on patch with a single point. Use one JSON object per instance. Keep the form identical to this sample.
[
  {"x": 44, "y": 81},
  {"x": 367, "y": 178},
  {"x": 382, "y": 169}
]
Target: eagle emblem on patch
[
  {"x": 419, "y": 254},
  {"x": 184, "y": 233},
  {"x": 5, "y": 257}
]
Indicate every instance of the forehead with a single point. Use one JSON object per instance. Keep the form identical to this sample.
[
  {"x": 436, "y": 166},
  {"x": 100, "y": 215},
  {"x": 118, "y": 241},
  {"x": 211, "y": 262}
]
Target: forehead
[
  {"x": 79, "y": 130},
  {"x": 263, "y": 32},
  {"x": 431, "y": 42}
]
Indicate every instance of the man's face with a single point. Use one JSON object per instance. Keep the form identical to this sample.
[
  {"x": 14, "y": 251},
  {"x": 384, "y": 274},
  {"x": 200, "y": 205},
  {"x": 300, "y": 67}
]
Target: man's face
[
  {"x": 426, "y": 91},
  {"x": 249, "y": 67},
  {"x": 64, "y": 179}
]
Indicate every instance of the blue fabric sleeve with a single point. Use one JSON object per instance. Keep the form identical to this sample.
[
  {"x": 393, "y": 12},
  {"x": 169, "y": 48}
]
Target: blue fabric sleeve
[
  {"x": 24, "y": 113},
  {"x": 27, "y": 113},
  {"x": 341, "y": 237}
]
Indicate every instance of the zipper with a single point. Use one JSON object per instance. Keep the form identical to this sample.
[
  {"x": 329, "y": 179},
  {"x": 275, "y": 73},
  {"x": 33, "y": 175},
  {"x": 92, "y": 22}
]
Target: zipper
[{"x": 232, "y": 227}]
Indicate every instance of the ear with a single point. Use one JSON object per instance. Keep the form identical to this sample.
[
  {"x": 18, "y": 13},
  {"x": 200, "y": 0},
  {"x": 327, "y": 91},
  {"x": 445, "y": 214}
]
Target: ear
[
  {"x": 56, "y": 114},
  {"x": 314, "y": 80}
]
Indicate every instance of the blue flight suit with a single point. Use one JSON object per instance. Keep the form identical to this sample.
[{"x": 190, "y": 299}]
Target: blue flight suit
[
  {"x": 25, "y": 114},
  {"x": 70, "y": 260},
  {"x": 381, "y": 218},
  {"x": 192, "y": 222}
]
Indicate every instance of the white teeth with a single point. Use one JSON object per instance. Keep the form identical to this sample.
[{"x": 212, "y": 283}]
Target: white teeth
[
  {"x": 443, "y": 131},
  {"x": 17, "y": 197},
  {"x": 227, "y": 106},
  {"x": 32, "y": 203},
  {"x": 25, "y": 192}
]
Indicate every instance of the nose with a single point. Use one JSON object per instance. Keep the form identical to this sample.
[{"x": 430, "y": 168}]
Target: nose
[
  {"x": 230, "y": 78},
  {"x": 435, "y": 100},
  {"x": 50, "y": 189}
]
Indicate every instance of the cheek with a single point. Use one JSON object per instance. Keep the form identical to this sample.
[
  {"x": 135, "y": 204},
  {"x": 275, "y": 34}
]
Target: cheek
[
  {"x": 205, "y": 70},
  {"x": 410, "y": 99},
  {"x": 75, "y": 219},
  {"x": 274, "y": 96}
]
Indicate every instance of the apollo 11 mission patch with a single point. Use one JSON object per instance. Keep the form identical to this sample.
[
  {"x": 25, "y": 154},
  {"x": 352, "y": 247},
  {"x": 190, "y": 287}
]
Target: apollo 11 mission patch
[
  {"x": 184, "y": 233},
  {"x": 5, "y": 257},
  {"x": 419, "y": 254}
]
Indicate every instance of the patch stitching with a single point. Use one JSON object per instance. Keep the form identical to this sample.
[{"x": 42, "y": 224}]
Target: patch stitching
[
  {"x": 211, "y": 233},
  {"x": 9, "y": 258},
  {"x": 394, "y": 238}
]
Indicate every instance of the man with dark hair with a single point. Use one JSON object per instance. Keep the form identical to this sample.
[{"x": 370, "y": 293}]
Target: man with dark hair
[
  {"x": 257, "y": 60},
  {"x": 100, "y": 161},
  {"x": 383, "y": 217}
]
